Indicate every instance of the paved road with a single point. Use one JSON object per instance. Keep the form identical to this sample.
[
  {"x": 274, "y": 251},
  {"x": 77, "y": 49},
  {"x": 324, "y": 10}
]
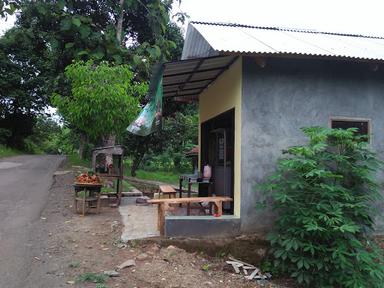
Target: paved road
[{"x": 24, "y": 187}]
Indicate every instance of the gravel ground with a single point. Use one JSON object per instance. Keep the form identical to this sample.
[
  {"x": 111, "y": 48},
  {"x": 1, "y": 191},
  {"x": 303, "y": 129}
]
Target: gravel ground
[{"x": 69, "y": 247}]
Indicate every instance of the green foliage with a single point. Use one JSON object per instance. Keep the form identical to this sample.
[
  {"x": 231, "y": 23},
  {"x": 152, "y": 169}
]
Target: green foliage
[
  {"x": 324, "y": 194},
  {"x": 104, "y": 99},
  {"x": 205, "y": 267},
  {"x": 49, "y": 35},
  {"x": 126, "y": 187},
  {"x": 92, "y": 277},
  {"x": 8, "y": 7},
  {"x": 4, "y": 135},
  {"x": 7, "y": 152},
  {"x": 40, "y": 141},
  {"x": 161, "y": 176},
  {"x": 24, "y": 83},
  {"x": 74, "y": 160},
  {"x": 165, "y": 149}
]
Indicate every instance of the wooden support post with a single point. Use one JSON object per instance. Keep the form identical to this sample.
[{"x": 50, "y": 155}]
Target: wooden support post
[
  {"x": 162, "y": 208},
  {"x": 218, "y": 208},
  {"x": 98, "y": 195},
  {"x": 85, "y": 194},
  {"x": 180, "y": 187},
  {"x": 189, "y": 196}
]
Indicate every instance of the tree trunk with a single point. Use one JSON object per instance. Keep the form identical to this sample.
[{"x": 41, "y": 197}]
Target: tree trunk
[
  {"x": 119, "y": 25},
  {"x": 83, "y": 142},
  {"x": 136, "y": 163}
]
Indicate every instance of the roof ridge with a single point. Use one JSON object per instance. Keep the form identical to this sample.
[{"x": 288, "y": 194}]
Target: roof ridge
[{"x": 229, "y": 24}]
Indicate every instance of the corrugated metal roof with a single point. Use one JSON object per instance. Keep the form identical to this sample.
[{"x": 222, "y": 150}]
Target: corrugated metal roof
[
  {"x": 209, "y": 39},
  {"x": 184, "y": 80}
]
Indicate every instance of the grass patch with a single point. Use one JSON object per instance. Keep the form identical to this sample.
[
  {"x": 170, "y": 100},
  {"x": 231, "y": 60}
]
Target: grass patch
[
  {"x": 92, "y": 277},
  {"x": 126, "y": 187},
  {"x": 74, "y": 160},
  {"x": 205, "y": 267},
  {"x": 7, "y": 152},
  {"x": 161, "y": 176}
]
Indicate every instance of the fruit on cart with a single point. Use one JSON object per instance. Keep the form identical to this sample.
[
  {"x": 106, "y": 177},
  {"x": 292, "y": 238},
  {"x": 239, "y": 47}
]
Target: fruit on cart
[{"x": 88, "y": 178}]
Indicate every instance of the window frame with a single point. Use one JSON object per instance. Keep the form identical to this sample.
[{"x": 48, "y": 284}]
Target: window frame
[{"x": 353, "y": 119}]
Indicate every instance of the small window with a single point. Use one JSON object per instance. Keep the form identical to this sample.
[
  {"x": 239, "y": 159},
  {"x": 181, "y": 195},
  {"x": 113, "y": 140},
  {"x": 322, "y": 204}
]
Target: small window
[{"x": 362, "y": 125}]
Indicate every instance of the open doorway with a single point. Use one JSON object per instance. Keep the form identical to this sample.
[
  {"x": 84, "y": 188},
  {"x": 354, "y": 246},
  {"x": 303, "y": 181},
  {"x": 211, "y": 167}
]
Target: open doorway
[{"x": 217, "y": 150}]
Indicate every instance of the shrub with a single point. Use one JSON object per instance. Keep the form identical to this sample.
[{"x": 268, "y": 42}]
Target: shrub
[
  {"x": 323, "y": 193},
  {"x": 92, "y": 277}
]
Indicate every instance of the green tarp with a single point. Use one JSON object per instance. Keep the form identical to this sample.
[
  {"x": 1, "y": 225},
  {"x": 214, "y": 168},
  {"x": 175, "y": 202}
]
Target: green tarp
[{"x": 150, "y": 118}]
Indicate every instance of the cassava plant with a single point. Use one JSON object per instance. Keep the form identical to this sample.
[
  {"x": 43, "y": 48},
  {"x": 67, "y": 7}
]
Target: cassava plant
[{"x": 324, "y": 195}]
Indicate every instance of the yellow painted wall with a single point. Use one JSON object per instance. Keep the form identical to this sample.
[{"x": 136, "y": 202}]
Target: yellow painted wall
[{"x": 223, "y": 95}]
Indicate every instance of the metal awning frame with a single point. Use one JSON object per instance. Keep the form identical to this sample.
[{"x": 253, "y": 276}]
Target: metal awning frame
[{"x": 198, "y": 73}]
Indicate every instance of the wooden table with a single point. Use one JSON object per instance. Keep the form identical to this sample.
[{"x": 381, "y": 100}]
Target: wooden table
[
  {"x": 94, "y": 192},
  {"x": 163, "y": 205},
  {"x": 192, "y": 179},
  {"x": 167, "y": 190}
]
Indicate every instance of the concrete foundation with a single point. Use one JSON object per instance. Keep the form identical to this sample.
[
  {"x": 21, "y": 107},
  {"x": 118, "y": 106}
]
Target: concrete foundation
[{"x": 201, "y": 226}]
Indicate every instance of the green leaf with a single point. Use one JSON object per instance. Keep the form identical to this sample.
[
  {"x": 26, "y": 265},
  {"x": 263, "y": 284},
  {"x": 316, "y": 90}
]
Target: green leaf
[
  {"x": 69, "y": 45},
  {"x": 82, "y": 53},
  {"x": 61, "y": 4},
  {"x": 84, "y": 31},
  {"x": 65, "y": 24},
  {"x": 136, "y": 59},
  {"x": 41, "y": 9},
  {"x": 118, "y": 59},
  {"x": 76, "y": 21}
]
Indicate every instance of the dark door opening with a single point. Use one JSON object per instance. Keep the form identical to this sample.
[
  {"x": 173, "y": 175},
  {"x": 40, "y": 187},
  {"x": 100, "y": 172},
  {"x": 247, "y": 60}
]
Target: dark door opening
[{"x": 217, "y": 150}]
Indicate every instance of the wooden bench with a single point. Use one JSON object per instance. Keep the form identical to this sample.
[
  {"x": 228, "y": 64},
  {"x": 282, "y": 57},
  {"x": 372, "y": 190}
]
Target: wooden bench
[
  {"x": 163, "y": 205},
  {"x": 167, "y": 190}
]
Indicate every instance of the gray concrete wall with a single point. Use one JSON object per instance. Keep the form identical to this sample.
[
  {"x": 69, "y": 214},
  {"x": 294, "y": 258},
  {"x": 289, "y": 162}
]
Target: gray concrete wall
[{"x": 286, "y": 95}]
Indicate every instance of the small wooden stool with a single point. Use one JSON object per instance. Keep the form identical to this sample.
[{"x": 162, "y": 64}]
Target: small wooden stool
[{"x": 167, "y": 189}]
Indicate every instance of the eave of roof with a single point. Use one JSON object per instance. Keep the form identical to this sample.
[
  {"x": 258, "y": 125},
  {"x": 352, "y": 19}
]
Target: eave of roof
[
  {"x": 229, "y": 38},
  {"x": 184, "y": 80},
  {"x": 211, "y": 48}
]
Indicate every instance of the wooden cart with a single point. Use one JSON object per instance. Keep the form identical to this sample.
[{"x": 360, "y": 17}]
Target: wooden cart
[
  {"x": 89, "y": 199},
  {"x": 112, "y": 172}
]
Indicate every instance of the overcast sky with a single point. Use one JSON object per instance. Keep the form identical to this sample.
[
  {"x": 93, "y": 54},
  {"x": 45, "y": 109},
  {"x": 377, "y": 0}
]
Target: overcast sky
[{"x": 348, "y": 16}]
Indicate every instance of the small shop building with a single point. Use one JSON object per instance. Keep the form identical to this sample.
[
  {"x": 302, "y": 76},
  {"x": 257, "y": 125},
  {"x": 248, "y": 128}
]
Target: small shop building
[{"x": 256, "y": 87}]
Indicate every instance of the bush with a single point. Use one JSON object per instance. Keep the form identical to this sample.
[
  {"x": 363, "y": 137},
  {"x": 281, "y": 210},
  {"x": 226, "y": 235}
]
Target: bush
[
  {"x": 4, "y": 135},
  {"x": 323, "y": 194}
]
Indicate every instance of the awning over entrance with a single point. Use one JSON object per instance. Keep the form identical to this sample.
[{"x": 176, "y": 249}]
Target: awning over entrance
[{"x": 184, "y": 80}]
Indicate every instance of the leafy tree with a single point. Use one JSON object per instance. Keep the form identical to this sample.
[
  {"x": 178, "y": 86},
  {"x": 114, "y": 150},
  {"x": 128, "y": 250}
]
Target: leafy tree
[
  {"x": 125, "y": 31},
  {"x": 44, "y": 130},
  {"x": 179, "y": 134},
  {"x": 323, "y": 193},
  {"x": 104, "y": 98},
  {"x": 8, "y": 7},
  {"x": 48, "y": 35},
  {"x": 24, "y": 82}
]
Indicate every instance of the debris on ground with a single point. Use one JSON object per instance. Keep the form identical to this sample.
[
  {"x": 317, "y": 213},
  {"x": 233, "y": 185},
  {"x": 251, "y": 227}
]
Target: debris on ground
[
  {"x": 250, "y": 271},
  {"x": 128, "y": 263},
  {"x": 112, "y": 273},
  {"x": 78, "y": 247},
  {"x": 142, "y": 257},
  {"x": 143, "y": 200}
]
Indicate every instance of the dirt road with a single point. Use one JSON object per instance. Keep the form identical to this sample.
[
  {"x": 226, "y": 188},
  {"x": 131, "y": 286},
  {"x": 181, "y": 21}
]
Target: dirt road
[{"x": 24, "y": 190}]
